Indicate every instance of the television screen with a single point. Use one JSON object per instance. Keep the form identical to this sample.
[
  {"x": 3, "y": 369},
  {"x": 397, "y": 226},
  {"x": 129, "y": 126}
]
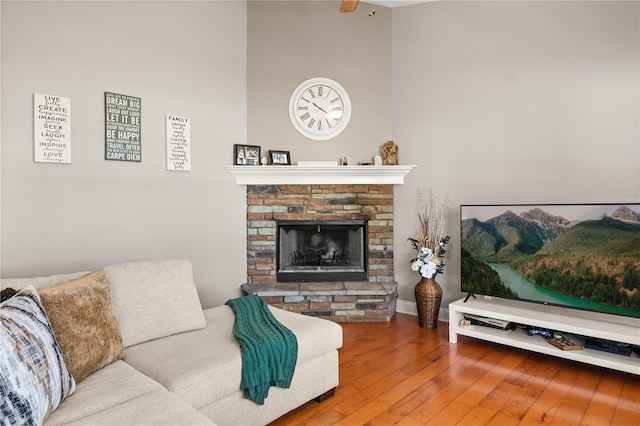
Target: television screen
[{"x": 583, "y": 256}]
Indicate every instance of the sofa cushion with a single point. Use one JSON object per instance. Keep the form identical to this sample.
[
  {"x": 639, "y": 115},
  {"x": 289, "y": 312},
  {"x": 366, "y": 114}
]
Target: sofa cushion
[
  {"x": 154, "y": 409},
  {"x": 33, "y": 376},
  {"x": 118, "y": 394},
  {"x": 312, "y": 379},
  {"x": 154, "y": 299},
  {"x": 204, "y": 366},
  {"x": 83, "y": 322}
]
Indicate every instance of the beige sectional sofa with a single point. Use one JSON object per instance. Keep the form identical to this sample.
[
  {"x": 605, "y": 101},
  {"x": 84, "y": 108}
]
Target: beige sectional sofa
[{"x": 182, "y": 364}]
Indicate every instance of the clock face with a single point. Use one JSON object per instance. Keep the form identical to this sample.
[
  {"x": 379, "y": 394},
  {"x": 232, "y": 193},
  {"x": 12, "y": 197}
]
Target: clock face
[{"x": 320, "y": 108}]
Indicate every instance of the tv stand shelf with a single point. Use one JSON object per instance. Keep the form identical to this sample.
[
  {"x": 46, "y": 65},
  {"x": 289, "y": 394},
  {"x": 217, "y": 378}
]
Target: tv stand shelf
[{"x": 573, "y": 324}]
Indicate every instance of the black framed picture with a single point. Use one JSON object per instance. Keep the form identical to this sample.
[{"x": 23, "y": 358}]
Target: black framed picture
[
  {"x": 279, "y": 158},
  {"x": 246, "y": 155}
]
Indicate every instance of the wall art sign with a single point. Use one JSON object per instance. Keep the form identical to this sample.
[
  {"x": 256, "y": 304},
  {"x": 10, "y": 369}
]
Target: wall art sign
[
  {"x": 51, "y": 129},
  {"x": 178, "y": 143},
  {"x": 122, "y": 127}
]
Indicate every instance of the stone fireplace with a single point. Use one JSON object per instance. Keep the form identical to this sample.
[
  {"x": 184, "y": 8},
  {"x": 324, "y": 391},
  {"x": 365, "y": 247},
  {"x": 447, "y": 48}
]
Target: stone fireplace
[{"x": 364, "y": 292}]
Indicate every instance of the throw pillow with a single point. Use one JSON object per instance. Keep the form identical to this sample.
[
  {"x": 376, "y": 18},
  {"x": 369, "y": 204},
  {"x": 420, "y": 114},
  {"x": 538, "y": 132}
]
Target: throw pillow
[
  {"x": 34, "y": 378},
  {"x": 84, "y": 324},
  {"x": 7, "y": 293}
]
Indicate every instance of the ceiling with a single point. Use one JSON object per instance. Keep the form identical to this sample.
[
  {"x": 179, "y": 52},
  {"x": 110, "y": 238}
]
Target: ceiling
[
  {"x": 386, "y": 3},
  {"x": 396, "y": 3}
]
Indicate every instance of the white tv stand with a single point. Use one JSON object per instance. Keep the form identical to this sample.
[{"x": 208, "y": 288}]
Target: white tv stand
[{"x": 571, "y": 323}]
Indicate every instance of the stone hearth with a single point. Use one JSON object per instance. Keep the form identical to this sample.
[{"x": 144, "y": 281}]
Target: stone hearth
[{"x": 348, "y": 301}]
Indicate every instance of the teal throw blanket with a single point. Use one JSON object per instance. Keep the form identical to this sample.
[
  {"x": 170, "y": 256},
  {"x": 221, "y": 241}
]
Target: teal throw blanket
[{"x": 269, "y": 349}]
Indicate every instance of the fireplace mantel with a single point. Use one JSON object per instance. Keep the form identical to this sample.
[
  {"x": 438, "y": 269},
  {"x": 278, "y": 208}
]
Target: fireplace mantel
[{"x": 320, "y": 175}]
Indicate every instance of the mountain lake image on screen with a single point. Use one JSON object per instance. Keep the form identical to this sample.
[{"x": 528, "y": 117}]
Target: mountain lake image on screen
[{"x": 582, "y": 256}]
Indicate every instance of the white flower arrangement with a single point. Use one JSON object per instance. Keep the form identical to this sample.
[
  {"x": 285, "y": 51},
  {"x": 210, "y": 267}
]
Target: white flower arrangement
[{"x": 431, "y": 241}]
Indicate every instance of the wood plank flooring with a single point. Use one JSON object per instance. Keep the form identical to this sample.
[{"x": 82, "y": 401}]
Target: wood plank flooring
[{"x": 397, "y": 373}]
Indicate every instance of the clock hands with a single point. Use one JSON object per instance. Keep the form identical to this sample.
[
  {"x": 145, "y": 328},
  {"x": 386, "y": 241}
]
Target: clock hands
[{"x": 320, "y": 108}]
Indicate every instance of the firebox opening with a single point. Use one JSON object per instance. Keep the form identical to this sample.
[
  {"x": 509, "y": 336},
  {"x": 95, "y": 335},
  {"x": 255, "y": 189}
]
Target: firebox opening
[{"x": 321, "y": 251}]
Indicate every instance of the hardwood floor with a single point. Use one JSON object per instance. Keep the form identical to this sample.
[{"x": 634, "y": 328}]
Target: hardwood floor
[{"x": 398, "y": 373}]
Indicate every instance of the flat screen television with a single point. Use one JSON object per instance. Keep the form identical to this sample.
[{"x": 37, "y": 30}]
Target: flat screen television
[{"x": 581, "y": 256}]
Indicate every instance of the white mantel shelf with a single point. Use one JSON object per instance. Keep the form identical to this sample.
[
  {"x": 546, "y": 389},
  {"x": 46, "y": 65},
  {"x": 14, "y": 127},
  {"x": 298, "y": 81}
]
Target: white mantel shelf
[{"x": 307, "y": 175}]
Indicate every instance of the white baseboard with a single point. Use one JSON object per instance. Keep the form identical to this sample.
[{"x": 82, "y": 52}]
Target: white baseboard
[{"x": 405, "y": 307}]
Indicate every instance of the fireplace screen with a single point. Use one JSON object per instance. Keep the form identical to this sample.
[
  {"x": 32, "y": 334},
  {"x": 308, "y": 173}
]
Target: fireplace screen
[{"x": 321, "y": 251}]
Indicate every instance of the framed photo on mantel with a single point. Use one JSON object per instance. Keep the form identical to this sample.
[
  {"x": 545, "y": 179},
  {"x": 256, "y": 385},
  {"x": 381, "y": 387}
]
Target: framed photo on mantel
[
  {"x": 246, "y": 155},
  {"x": 279, "y": 158}
]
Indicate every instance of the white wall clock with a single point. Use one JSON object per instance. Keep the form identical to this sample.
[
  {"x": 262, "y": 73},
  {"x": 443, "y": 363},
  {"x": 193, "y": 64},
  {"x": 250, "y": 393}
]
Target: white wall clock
[{"x": 320, "y": 108}]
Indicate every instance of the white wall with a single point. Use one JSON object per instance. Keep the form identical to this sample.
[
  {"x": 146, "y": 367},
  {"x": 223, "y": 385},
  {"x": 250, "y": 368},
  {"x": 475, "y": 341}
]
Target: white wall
[
  {"x": 514, "y": 102},
  {"x": 182, "y": 58},
  {"x": 291, "y": 41},
  {"x": 494, "y": 101}
]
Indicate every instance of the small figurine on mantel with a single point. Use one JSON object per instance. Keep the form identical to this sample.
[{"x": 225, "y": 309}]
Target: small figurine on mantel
[{"x": 390, "y": 154}]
